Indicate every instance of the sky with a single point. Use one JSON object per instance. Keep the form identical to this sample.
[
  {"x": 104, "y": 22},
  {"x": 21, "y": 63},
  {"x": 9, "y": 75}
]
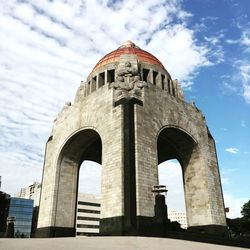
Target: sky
[{"x": 48, "y": 47}]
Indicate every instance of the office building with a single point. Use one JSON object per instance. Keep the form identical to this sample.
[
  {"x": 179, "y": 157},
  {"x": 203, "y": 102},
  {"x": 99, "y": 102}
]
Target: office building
[
  {"x": 31, "y": 192},
  {"x": 22, "y": 210},
  {"x": 179, "y": 217},
  {"x": 88, "y": 215},
  {"x": 88, "y": 209}
]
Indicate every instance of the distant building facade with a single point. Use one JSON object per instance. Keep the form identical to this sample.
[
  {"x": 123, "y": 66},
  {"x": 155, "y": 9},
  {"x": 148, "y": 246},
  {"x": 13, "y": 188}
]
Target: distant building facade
[
  {"x": 31, "y": 192},
  {"x": 88, "y": 215},
  {"x": 88, "y": 209},
  {"x": 180, "y": 217},
  {"x": 22, "y": 210}
]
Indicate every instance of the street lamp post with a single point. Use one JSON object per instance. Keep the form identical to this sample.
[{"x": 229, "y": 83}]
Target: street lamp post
[
  {"x": 10, "y": 231},
  {"x": 161, "y": 213}
]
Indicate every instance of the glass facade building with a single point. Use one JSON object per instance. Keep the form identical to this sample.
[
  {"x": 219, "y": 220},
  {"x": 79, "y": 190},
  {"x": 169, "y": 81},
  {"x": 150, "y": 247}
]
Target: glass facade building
[{"x": 22, "y": 210}]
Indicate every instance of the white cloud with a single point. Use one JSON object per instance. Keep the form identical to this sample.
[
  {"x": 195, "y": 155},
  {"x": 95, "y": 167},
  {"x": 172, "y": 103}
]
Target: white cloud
[
  {"x": 48, "y": 47},
  {"x": 232, "y": 169},
  {"x": 216, "y": 49},
  {"x": 239, "y": 81},
  {"x": 231, "y": 41},
  {"x": 90, "y": 178},
  {"x": 234, "y": 204},
  {"x": 214, "y": 39},
  {"x": 245, "y": 39},
  {"x": 170, "y": 174},
  {"x": 245, "y": 76},
  {"x": 180, "y": 50},
  {"x": 18, "y": 170},
  {"x": 241, "y": 67},
  {"x": 232, "y": 150}
]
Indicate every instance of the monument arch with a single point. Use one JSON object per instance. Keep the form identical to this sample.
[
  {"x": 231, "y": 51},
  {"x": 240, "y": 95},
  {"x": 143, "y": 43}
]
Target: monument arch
[
  {"x": 176, "y": 143},
  {"x": 84, "y": 144},
  {"x": 142, "y": 119}
]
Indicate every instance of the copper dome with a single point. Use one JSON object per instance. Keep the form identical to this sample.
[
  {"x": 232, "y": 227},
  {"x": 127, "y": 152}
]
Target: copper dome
[{"x": 128, "y": 48}]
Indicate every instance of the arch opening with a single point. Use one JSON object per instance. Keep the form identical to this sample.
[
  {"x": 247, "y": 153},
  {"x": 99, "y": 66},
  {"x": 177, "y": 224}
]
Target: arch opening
[
  {"x": 174, "y": 143},
  {"x": 177, "y": 152},
  {"x": 88, "y": 199},
  {"x": 83, "y": 147},
  {"x": 170, "y": 174}
]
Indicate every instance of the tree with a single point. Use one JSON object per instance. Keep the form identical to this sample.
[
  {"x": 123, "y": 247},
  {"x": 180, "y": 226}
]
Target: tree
[
  {"x": 246, "y": 210},
  {"x": 241, "y": 226}
]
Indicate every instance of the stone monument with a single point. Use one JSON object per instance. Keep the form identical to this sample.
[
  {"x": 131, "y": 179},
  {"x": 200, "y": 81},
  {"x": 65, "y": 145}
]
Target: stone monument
[{"x": 129, "y": 116}]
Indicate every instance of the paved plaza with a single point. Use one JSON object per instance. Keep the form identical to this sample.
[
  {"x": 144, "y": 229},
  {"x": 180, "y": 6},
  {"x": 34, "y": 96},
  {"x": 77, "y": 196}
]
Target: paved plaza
[{"x": 107, "y": 243}]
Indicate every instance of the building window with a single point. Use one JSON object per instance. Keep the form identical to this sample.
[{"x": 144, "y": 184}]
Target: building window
[
  {"x": 101, "y": 79},
  {"x": 162, "y": 81},
  {"x": 89, "y": 203},
  {"x": 87, "y": 226},
  {"x": 88, "y": 211},
  {"x": 111, "y": 76},
  {"x": 87, "y": 218},
  {"x": 169, "y": 86},
  {"x": 145, "y": 75},
  {"x": 88, "y": 88},
  {"x": 154, "y": 77},
  {"x": 93, "y": 85},
  {"x": 173, "y": 91}
]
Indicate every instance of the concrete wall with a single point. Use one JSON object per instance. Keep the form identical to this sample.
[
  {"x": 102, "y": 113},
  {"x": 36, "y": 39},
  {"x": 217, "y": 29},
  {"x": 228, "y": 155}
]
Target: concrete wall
[
  {"x": 204, "y": 201},
  {"x": 58, "y": 198}
]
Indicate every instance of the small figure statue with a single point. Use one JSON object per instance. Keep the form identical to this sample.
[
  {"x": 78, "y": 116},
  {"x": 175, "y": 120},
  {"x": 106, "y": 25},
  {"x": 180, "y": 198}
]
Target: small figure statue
[{"x": 128, "y": 80}]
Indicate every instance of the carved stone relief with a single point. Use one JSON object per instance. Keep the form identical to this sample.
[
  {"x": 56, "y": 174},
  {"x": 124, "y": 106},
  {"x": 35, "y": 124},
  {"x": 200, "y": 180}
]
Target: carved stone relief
[{"x": 127, "y": 82}]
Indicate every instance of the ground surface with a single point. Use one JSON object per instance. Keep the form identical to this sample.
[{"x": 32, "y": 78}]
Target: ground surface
[{"x": 103, "y": 243}]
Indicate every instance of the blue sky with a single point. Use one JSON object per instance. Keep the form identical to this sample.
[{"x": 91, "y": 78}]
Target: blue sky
[
  {"x": 222, "y": 91},
  {"x": 48, "y": 47}
]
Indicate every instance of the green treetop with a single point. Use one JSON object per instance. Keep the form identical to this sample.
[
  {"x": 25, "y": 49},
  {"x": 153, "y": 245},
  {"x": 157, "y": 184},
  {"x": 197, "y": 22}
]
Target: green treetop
[{"x": 246, "y": 210}]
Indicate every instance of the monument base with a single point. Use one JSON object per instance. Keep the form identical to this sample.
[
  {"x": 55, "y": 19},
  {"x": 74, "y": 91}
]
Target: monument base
[
  {"x": 50, "y": 232},
  {"x": 209, "y": 229},
  {"x": 144, "y": 226},
  {"x": 112, "y": 226}
]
